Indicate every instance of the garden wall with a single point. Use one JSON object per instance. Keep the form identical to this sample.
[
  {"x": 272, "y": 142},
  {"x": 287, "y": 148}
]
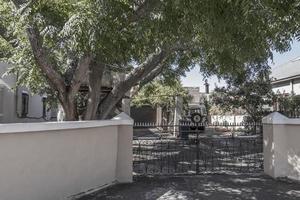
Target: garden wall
[{"x": 47, "y": 161}]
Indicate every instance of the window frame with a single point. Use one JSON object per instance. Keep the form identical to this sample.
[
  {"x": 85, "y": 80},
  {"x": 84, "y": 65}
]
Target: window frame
[
  {"x": 24, "y": 104},
  {"x": 44, "y": 109}
]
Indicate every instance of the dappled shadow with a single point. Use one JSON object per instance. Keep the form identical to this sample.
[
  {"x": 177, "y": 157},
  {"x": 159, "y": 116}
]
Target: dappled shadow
[
  {"x": 213, "y": 187},
  {"x": 176, "y": 156}
]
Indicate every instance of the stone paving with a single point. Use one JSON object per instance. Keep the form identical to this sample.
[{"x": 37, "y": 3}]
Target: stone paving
[{"x": 202, "y": 187}]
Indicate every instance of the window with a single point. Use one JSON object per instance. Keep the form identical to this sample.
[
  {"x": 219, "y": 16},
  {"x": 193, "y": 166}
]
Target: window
[
  {"x": 44, "y": 100},
  {"x": 25, "y": 102}
]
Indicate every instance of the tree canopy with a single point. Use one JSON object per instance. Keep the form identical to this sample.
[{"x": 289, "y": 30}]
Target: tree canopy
[
  {"x": 287, "y": 104},
  {"x": 161, "y": 94},
  {"x": 252, "y": 94},
  {"x": 57, "y": 46}
]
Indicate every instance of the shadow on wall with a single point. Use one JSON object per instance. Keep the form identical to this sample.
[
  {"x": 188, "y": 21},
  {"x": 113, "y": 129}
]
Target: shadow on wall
[{"x": 294, "y": 164}]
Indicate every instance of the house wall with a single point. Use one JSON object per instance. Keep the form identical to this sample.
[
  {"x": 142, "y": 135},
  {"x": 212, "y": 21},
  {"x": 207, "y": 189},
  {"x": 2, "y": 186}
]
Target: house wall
[
  {"x": 281, "y": 146},
  {"x": 11, "y": 102},
  {"x": 227, "y": 118},
  {"x": 197, "y": 96},
  {"x": 282, "y": 87},
  {"x": 296, "y": 86},
  {"x": 287, "y": 87},
  {"x": 195, "y": 93},
  {"x": 62, "y": 160}
]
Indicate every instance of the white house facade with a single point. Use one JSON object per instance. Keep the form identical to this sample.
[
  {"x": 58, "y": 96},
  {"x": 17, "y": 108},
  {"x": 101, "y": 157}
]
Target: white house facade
[
  {"x": 18, "y": 104},
  {"x": 286, "y": 77}
]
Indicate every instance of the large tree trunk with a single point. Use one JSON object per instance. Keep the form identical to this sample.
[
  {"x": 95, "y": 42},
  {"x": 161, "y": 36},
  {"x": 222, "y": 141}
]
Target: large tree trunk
[
  {"x": 68, "y": 103},
  {"x": 70, "y": 111},
  {"x": 94, "y": 96}
]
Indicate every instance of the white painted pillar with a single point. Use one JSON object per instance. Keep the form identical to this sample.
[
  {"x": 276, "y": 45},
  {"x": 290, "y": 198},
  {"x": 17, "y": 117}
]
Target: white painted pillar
[
  {"x": 281, "y": 148},
  {"x": 158, "y": 115},
  {"x": 124, "y": 152}
]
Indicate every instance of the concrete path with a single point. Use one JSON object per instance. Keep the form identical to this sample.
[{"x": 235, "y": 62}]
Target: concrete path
[{"x": 213, "y": 187}]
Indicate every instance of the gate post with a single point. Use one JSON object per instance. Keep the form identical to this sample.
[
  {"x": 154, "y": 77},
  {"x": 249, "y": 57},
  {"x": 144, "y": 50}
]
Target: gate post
[
  {"x": 124, "y": 160},
  {"x": 281, "y": 146}
]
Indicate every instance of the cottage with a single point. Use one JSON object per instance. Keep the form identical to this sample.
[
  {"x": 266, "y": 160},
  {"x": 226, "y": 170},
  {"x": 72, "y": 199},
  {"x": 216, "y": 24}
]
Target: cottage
[{"x": 18, "y": 104}]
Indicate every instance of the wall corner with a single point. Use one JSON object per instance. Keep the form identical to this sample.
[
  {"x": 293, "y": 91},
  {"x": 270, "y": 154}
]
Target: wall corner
[
  {"x": 274, "y": 118},
  {"x": 124, "y": 154},
  {"x": 123, "y": 116}
]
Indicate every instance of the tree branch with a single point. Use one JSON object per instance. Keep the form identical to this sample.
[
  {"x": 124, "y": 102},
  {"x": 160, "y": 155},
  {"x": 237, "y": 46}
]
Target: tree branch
[
  {"x": 43, "y": 60},
  {"x": 81, "y": 73},
  {"x": 94, "y": 96},
  {"x": 8, "y": 38},
  {"x": 147, "y": 79},
  {"x": 18, "y": 3},
  {"x": 137, "y": 75}
]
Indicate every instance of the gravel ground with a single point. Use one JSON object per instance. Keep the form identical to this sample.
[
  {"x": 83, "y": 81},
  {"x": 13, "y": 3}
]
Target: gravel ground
[{"x": 213, "y": 187}]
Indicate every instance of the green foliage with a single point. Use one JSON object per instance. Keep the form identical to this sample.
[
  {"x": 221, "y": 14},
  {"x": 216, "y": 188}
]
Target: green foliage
[
  {"x": 225, "y": 37},
  {"x": 161, "y": 93},
  {"x": 288, "y": 104},
  {"x": 253, "y": 94}
]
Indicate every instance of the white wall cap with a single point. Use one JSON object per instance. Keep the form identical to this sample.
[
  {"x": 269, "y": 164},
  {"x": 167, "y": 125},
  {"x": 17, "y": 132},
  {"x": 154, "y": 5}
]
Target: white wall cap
[
  {"x": 277, "y": 118},
  {"x": 123, "y": 116},
  {"x": 274, "y": 118},
  {"x": 51, "y": 126}
]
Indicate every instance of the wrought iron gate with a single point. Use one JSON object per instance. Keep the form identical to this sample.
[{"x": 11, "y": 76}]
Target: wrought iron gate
[{"x": 198, "y": 153}]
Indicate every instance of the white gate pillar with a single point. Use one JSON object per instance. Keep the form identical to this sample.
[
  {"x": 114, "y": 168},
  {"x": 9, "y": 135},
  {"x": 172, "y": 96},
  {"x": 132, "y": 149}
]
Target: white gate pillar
[{"x": 281, "y": 149}]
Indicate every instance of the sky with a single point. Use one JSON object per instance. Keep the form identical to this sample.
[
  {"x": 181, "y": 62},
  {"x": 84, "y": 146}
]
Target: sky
[{"x": 195, "y": 79}]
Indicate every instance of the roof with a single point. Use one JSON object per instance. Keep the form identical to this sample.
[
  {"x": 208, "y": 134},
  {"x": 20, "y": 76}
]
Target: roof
[{"x": 287, "y": 70}]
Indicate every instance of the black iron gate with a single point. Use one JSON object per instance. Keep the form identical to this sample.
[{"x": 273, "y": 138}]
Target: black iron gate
[{"x": 200, "y": 152}]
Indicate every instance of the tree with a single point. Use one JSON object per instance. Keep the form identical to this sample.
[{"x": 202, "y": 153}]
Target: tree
[
  {"x": 288, "y": 104},
  {"x": 253, "y": 94},
  {"x": 160, "y": 93},
  {"x": 57, "y": 46}
]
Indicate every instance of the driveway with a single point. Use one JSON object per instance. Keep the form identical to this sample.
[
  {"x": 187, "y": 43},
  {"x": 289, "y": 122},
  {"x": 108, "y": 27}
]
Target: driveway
[{"x": 213, "y": 187}]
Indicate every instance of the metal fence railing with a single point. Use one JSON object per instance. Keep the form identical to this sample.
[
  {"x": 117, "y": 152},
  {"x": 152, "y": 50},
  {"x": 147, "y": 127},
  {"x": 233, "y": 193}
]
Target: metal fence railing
[{"x": 195, "y": 149}]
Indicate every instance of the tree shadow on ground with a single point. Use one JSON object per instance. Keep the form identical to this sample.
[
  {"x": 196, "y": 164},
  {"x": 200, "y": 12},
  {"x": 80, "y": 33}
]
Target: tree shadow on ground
[{"x": 213, "y": 187}]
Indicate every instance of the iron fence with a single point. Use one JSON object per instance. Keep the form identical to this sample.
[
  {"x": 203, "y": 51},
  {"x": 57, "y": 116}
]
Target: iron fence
[
  {"x": 178, "y": 130},
  {"x": 164, "y": 150}
]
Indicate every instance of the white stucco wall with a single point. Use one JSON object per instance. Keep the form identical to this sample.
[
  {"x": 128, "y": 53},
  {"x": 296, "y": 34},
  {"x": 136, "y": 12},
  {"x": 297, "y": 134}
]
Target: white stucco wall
[
  {"x": 287, "y": 87},
  {"x": 281, "y": 146},
  {"x": 284, "y": 87},
  {"x": 47, "y": 161},
  {"x": 10, "y": 100},
  {"x": 296, "y": 86},
  {"x": 228, "y": 118}
]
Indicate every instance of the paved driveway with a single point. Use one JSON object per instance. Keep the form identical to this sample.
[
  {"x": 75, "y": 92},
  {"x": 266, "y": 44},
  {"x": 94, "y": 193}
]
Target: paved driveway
[{"x": 214, "y": 187}]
